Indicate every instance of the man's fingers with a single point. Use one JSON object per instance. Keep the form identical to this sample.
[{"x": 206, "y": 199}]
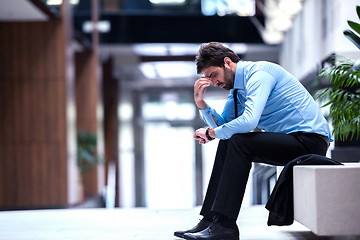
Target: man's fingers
[
  {"x": 200, "y": 86},
  {"x": 202, "y": 82},
  {"x": 198, "y": 137}
]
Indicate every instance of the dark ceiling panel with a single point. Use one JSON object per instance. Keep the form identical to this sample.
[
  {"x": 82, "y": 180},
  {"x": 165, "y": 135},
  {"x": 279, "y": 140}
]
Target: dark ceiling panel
[{"x": 176, "y": 29}]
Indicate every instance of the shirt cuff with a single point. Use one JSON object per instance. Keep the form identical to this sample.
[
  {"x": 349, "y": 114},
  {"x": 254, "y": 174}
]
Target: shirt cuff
[{"x": 219, "y": 132}]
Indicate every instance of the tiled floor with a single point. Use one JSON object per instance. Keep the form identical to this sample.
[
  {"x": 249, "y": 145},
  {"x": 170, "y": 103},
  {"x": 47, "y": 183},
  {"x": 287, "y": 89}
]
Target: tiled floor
[{"x": 133, "y": 224}]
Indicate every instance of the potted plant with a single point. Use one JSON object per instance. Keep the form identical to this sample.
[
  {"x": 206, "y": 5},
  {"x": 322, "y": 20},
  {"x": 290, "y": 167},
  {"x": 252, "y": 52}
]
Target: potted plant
[
  {"x": 87, "y": 155},
  {"x": 343, "y": 97}
]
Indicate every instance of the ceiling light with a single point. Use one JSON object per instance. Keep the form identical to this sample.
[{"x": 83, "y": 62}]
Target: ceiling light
[
  {"x": 228, "y": 7},
  {"x": 102, "y": 26},
  {"x": 279, "y": 15},
  {"x": 151, "y": 49},
  {"x": 170, "y": 2},
  {"x": 59, "y": 2},
  {"x": 281, "y": 22},
  {"x": 291, "y": 7},
  {"x": 272, "y": 36},
  {"x": 167, "y": 70}
]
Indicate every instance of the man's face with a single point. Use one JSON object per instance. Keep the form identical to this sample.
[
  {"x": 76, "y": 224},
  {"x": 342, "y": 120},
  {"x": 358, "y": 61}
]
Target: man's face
[{"x": 220, "y": 77}]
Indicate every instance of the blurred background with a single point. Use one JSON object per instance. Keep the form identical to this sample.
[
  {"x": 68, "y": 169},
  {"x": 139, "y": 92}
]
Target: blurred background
[{"x": 96, "y": 96}]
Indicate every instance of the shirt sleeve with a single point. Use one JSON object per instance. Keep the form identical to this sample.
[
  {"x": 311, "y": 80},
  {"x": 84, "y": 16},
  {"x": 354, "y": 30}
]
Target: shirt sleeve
[
  {"x": 258, "y": 89},
  {"x": 211, "y": 117}
]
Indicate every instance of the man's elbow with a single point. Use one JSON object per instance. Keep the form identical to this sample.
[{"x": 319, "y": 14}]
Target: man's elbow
[{"x": 251, "y": 126}]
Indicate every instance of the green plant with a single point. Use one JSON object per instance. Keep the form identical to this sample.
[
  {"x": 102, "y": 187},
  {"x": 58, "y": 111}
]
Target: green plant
[
  {"x": 353, "y": 37},
  {"x": 87, "y": 155},
  {"x": 343, "y": 96}
]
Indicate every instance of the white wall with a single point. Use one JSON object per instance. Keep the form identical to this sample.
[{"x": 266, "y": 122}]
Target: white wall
[{"x": 318, "y": 32}]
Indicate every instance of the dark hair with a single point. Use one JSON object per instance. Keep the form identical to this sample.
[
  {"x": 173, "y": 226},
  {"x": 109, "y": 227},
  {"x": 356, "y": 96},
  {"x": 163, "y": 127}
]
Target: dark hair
[{"x": 213, "y": 54}]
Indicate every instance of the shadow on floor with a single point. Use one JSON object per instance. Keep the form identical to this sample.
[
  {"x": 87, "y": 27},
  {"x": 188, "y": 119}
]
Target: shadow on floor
[{"x": 311, "y": 235}]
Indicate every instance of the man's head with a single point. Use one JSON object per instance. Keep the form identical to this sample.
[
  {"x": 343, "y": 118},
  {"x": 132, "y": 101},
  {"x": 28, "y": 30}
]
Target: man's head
[
  {"x": 218, "y": 64},
  {"x": 213, "y": 54}
]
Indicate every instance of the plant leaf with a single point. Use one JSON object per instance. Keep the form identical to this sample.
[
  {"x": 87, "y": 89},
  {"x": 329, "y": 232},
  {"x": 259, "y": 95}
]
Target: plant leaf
[
  {"x": 355, "y": 26},
  {"x": 343, "y": 98},
  {"x": 352, "y": 37}
]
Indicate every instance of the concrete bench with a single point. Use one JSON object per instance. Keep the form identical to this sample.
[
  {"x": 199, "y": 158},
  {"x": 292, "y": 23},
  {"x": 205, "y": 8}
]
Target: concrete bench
[{"x": 327, "y": 198}]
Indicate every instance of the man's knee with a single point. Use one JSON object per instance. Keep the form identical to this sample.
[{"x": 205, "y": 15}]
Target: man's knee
[
  {"x": 238, "y": 138},
  {"x": 241, "y": 143}
]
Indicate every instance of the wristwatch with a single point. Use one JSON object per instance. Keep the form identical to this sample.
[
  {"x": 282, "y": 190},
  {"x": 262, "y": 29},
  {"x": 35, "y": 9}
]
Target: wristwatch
[{"x": 208, "y": 135}]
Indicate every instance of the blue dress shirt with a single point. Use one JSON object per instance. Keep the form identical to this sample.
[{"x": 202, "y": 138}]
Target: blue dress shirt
[{"x": 269, "y": 98}]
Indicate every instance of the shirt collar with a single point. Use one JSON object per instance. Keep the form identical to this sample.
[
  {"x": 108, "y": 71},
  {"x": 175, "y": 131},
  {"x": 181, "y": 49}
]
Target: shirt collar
[{"x": 239, "y": 76}]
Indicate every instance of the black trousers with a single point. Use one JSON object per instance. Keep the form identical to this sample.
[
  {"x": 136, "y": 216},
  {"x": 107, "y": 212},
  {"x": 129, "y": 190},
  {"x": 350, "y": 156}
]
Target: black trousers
[{"x": 234, "y": 159}]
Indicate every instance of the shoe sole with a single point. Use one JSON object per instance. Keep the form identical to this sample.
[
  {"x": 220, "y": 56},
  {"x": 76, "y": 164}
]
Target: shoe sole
[
  {"x": 179, "y": 235},
  {"x": 188, "y": 238}
]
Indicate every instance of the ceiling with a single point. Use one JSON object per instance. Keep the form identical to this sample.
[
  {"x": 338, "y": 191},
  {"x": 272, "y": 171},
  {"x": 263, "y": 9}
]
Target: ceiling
[
  {"x": 170, "y": 64},
  {"x": 155, "y": 46},
  {"x": 20, "y": 10}
]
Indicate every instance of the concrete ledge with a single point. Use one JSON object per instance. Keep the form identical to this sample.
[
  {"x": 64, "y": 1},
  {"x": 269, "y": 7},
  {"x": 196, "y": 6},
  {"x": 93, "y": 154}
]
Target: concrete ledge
[{"x": 327, "y": 198}]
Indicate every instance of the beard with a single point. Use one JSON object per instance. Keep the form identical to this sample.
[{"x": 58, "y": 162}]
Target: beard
[{"x": 229, "y": 77}]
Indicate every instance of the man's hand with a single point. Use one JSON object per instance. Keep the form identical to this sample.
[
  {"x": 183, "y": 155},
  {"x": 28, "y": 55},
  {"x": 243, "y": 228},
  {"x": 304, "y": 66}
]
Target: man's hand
[
  {"x": 200, "y": 135},
  {"x": 199, "y": 90}
]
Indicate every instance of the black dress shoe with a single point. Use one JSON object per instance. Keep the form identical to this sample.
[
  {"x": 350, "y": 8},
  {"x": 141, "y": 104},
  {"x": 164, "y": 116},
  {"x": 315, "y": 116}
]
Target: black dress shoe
[
  {"x": 203, "y": 224},
  {"x": 215, "y": 231}
]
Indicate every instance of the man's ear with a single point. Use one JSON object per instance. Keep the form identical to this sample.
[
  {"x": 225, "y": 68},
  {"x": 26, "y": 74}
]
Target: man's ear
[{"x": 227, "y": 62}]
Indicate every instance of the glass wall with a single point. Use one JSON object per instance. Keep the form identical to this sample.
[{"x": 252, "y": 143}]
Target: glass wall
[
  {"x": 174, "y": 173},
  {"x": 169, "y": 150}
]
